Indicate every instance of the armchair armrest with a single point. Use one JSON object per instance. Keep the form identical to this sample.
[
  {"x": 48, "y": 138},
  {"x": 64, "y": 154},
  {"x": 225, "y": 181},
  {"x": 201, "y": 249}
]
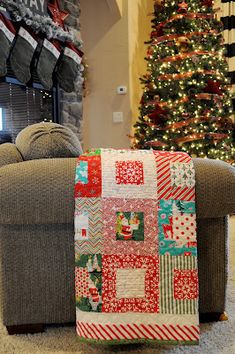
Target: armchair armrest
[
  {"x": 215, "y": 188},
  {"x": 38, "y": 192},
  {"x": 9, "y": 154},
  {"x": 42, "y": 191}
]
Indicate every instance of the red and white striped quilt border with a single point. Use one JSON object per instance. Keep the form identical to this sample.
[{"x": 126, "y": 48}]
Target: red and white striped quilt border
[{"x": 112, "y": 332}]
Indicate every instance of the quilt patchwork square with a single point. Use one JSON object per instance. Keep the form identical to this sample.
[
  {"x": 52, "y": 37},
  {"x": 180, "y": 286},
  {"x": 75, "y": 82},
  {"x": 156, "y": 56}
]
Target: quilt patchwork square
[
  {"x": 115, "y": 280},
  {"x": 135, "y": 232},
  {"x": 172, "y": 181},
  {"x": 182, "y": 174},
  {"x": 88, "y": 225},
  {"x": 179, "y": 289},
  {"x": 185, "y": 284},
  {"x": 177, "y": 228},
  {"x": 82, "y": 173},
  {"x": 81, "y": 225},
  {"x": 130, "y": 226},
  {"x": 88, "y": 176},
  {"x": 128, "y": 174},
  {"x": 81, "y": 282},
  {"x": 130, "y": 283},
  {"x": 89, "y": 282},
  {"x": 184, "y": 227}
]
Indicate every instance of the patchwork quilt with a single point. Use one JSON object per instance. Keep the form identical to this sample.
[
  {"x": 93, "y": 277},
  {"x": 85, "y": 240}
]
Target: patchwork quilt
[{"x": 135, "y": 247}]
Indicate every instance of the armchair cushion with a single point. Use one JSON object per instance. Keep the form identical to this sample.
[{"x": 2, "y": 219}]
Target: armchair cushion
[
  {"x": 47, "y": 140},
  {"x": 9, "y": 154}
]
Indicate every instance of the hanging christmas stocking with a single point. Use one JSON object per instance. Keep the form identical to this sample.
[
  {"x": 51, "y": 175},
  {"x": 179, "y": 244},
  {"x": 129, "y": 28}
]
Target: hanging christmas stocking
[
  {"x": 69, "y": 67},
  {"x": 46, "y": 63},
  {"x": 7, "y": 35},
  {"x": 22, "y": 54}
]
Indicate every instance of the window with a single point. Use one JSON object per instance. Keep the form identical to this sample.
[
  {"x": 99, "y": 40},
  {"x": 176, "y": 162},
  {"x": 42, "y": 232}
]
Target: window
[
  {"x": 21, "y": 106},
  {"x": 1, "y": 120}
]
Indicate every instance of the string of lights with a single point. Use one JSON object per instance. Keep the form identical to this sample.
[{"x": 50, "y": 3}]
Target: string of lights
[{"x": 186, "y": 102}]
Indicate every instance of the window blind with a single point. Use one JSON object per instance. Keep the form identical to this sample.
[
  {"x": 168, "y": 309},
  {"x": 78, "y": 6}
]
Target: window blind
[{"x": 23, "y": 106}]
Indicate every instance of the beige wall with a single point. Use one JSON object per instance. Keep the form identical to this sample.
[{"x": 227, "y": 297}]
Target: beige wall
[
  {"x": 115, "y": 6},
  {"x": 114, "y": 50},
  {"x": 119, "y": 3},
  {"x": 139, "y": 32}
]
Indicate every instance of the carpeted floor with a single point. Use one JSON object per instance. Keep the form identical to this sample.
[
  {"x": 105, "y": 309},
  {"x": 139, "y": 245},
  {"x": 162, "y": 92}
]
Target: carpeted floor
[{"x": 216, "y": 338}]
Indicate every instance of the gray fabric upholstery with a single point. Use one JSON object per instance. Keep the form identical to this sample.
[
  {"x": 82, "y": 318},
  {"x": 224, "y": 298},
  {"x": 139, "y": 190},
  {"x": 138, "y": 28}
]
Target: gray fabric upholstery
[
  {"x": 9, "y": 154},
  {"x": 212, "y": 263},
  {"x": 215, "y": 184},
  {"x": 37, "y": 264},
  {"x": 44, "y": 193},
  {"x": 47, "y": 140}
]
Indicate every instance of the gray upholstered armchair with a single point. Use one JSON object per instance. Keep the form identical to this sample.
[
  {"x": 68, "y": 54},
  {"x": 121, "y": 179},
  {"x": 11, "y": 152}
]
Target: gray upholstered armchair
[{"x": 36, "y": 236}]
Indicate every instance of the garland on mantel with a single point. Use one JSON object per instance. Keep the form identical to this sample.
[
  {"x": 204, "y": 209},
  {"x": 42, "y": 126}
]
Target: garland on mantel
[{"x": 39, "y": 23}]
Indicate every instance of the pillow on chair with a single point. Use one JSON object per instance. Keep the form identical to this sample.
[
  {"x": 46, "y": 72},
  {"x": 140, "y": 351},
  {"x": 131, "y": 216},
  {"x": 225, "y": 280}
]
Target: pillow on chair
[
  {"x": 47, "y": 140},
  {"x": 9, "y": 154}
]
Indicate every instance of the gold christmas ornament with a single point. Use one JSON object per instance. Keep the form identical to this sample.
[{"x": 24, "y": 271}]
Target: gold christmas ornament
[{"x": 183, "y": 43}]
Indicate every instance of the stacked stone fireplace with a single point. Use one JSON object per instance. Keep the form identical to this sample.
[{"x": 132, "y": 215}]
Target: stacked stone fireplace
[
  {"x": 22, "y": 105},
  {"x": 71, "y": 103}
]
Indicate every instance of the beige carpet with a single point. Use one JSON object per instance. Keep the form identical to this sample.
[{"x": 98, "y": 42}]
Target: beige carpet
[{"x": 216, "y": 338}]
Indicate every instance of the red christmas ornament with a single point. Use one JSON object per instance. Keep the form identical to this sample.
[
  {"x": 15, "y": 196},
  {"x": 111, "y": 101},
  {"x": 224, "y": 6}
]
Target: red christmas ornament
[
  {"x": 213, "y": 87},
  {"x": 207, "y": 3},
  {"x": 150, "y": 51},
  {"x": 57, "y": 15},
  {"x": 182, "y": 7},
  {"x": 158, "y": 115},
  {"x": 160, "y": 32},
  {"x": 153, "y": 34},
  {"x": 154, "y": 143},
  {"x": 142, "y": 101}
]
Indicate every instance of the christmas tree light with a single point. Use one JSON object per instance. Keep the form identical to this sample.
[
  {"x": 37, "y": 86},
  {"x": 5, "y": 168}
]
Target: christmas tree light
[{"x": 186, "y": 104}]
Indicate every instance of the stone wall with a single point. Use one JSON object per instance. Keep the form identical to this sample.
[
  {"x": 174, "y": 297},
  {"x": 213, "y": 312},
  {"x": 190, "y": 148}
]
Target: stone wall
[{"x": 71, "y": 103}]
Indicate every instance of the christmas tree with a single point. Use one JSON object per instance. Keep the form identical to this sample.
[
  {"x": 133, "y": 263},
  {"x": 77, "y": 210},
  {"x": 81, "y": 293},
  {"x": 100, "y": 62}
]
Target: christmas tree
[{"x": 186, "y": 103}]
